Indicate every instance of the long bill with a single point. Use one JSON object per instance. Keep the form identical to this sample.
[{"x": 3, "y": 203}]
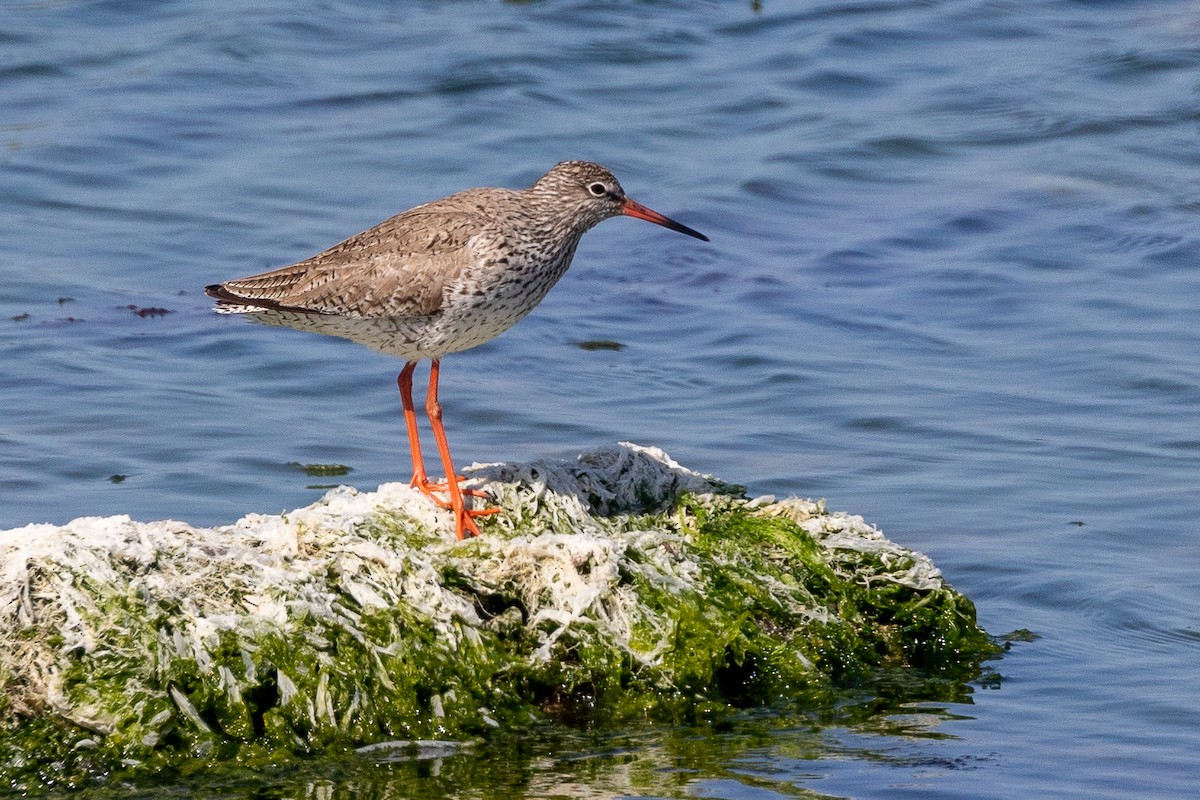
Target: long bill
[{"x": 632, "y": 209}]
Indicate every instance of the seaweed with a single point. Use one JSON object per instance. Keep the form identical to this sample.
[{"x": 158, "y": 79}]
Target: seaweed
[{"x": 619, "y": 588}]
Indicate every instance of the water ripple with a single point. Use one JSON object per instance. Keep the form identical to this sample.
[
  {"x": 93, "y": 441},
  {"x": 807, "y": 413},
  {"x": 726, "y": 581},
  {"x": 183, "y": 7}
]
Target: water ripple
[{"x": 952, "y": 285}]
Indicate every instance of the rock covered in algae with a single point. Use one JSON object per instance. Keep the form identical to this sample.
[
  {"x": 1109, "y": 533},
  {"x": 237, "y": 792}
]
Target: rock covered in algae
[{"x": 618, "y": 587}]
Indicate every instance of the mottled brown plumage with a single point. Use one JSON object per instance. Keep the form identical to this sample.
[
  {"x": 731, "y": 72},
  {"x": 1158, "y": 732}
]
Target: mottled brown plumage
[{"x": 440, "y": 278}]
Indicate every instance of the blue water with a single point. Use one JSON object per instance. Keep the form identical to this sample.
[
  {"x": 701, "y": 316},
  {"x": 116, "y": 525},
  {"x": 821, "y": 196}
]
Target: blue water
[{"x": 953, "y": 286}]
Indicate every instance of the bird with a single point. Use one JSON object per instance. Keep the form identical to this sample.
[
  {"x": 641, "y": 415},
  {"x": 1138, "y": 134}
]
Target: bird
[{"x": 441, "y": 278}]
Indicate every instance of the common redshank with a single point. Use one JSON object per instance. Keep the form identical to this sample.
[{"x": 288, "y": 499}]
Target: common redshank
[{"x": 442, "y": 277}]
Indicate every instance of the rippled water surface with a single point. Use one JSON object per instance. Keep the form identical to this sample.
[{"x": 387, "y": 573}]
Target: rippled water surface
[{"x": 953, "y": 285}]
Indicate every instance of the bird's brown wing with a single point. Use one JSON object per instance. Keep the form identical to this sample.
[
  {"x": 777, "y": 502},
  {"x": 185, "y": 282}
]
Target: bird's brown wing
[{"x": 398, "y": 268}]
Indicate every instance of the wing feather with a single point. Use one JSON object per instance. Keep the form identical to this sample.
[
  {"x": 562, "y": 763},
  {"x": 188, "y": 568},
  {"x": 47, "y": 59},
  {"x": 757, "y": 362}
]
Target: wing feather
[{"x": 398, "y": 268}]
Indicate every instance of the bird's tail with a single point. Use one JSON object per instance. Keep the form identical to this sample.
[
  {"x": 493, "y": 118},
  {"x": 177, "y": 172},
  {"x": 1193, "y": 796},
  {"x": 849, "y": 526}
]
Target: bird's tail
[{"x": 230, "y": 303}]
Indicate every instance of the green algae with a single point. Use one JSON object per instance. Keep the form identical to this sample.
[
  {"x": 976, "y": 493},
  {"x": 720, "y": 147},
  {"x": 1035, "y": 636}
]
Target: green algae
[
  {"x": 321, "y": 470},
  {"x": 618, "y": 589}
]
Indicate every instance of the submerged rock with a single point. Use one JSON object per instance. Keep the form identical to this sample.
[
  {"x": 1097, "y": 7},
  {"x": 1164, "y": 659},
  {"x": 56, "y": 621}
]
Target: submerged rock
[{"x": 616, "y": 588}]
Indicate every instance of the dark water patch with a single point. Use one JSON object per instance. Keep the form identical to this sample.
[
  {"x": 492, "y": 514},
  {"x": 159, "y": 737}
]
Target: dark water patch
[
  {"x": 99, "y": 211},
  {"x": 877, "y": 40},
  {"x": 751, "y": 106},
  {"x": 1133, "y": 65},
  {"x": 780, "y": 21},
  {"x": 983, "y": 222},
  {"x": 917, "y": 243},
  {"x": 855, "y": 268},
  {"x": 879, "y": 425},
  {"x": 1020, "y": 125},
  {"x": 994, "y": 291},
  {"x": 849, "y": 171},
  {"x": 714, "y": 279},
  {"x": 757, "y": 25},
  {"x": 676, "y": 46},
  {"x": 1141, "y": 634},
  {"x": 306, "y": 28},
  {"x": 349, "y": 101},
  {"x": 1186, "y": 255},
  {"x": 476, "y": 77},
  {"x": 1110, "y": 239},
  {"x": 973, "y": 228},
  {"x": 896, "y": 337},
  {"x": 839, "y": 83},
  {"x": 8, "y": 36},
  {"x": 904, "y": 147},
  {"x": 1163, "y": 389},
  {"x": 1183, "y": 445},
  {"x": 1039, "y": 258},
  {"x": 32, "y": 70},
  {"x": 779, "y": 190}
]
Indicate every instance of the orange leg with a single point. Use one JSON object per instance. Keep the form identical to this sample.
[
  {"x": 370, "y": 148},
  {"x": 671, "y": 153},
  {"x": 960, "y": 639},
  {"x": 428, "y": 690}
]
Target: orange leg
[
  {"x": 463, "y": 516},
  {"x": 404, "y": 381},
  {"x": 419, "y": 479}
]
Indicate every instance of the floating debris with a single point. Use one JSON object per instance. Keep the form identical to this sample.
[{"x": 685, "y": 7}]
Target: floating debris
[
  {"x": 151, "y": 311},
  {"x": 600, "y": 344},
  {"x": 321, "y": 470}
]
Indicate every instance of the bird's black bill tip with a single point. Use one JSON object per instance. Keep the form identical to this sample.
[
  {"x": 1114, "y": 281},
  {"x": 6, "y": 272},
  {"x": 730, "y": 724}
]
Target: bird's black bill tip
[
  {"x": 675, "y": 226},
  {"x": 639, "y": 211}
]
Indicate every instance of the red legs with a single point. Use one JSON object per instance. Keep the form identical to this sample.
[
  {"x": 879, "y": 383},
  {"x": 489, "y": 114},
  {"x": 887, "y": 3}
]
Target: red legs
[
  {"x": 463, "y": 516},
  {"x": 419, "y": 479},
  {"x": 410, "y": 421},
  {"x": 464, "y": 522}
]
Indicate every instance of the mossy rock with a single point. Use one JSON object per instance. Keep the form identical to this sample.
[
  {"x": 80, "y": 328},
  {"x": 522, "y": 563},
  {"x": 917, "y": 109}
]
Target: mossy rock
[{"x": 619, "y": 588}]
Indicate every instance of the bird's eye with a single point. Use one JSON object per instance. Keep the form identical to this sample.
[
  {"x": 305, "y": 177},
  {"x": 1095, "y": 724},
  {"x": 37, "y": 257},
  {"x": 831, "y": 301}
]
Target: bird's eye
[{"x": 598, "y": 189}]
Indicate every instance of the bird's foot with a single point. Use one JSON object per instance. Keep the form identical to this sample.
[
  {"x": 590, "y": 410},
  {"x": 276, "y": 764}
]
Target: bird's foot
[
  {"x": 464, "y": 518},
  {"x": 464, "y": 523},
  {"x": 431, "y": 488}
]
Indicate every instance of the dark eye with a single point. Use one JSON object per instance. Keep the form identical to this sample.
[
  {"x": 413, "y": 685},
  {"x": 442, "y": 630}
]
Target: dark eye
[{"x": 598, "y": 189}]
